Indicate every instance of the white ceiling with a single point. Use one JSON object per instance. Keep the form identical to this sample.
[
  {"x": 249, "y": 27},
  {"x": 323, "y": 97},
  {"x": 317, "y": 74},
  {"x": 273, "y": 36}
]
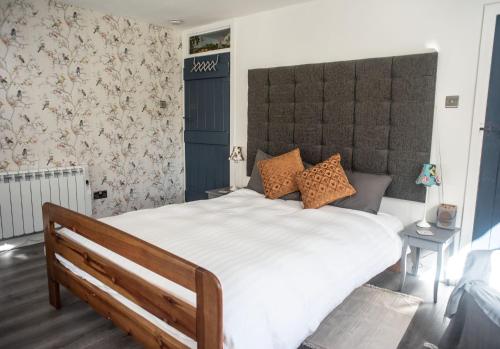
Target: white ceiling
[{"x": 193, "y": 12}]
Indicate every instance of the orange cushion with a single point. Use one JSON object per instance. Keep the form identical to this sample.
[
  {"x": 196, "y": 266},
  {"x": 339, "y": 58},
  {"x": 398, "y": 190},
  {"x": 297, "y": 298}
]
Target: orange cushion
[
  {"x": 279, "y": 174},
  {"x": 324, "y": 183}
]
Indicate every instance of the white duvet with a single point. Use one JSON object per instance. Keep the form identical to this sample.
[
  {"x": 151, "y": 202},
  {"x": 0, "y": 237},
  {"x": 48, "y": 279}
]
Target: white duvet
[{"x": 282, "y": 268}]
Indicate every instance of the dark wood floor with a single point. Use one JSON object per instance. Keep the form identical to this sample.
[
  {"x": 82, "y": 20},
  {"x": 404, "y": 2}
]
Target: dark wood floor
[{"x": 28, "y": 321}]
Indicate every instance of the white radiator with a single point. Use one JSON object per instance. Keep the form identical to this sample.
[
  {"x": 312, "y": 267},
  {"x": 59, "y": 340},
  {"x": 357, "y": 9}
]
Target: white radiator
[{"x": 22, "y": 194}]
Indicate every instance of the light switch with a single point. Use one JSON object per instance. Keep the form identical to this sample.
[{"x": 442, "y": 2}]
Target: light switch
[{"x": 451, "y": 102}]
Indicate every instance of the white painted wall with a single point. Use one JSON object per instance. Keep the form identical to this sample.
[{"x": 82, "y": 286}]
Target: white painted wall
[{"x": 334, "y": 30}]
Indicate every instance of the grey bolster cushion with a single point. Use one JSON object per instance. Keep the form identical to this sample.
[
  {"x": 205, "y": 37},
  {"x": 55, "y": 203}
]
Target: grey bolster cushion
[{"x": 370, "y": 189}]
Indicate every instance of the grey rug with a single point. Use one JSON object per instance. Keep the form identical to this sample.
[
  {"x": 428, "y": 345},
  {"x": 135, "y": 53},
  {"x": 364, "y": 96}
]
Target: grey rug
[{"x": 370, "y": 318}]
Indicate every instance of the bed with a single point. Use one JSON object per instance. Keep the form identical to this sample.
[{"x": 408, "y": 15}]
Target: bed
[
  {"x": 282, "y": 269},
  {"x": 243, "y": 271}
]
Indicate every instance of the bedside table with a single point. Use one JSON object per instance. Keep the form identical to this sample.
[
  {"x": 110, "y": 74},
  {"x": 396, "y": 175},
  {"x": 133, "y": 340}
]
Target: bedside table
[
  {"x": 215, "y": 193},
  {"x": 438, "y": 242}
]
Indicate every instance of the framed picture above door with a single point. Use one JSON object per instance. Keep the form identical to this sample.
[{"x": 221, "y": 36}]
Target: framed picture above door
[{"x": 211, "y": 41}]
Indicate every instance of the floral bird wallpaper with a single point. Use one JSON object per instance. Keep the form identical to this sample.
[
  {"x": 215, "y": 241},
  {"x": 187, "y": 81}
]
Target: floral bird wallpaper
[{"x": 79, "y": 87}]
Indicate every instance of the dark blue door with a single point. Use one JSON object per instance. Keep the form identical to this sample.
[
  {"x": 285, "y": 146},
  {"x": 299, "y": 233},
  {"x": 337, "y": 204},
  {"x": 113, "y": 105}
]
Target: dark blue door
[
  {"x": 206, "y": 134},
  {"x": 487, "y": 220}
]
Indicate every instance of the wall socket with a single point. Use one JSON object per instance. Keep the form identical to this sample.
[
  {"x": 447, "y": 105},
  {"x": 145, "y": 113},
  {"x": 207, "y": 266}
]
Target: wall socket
[
  {"x": 451, "y": 101},
  {"x": 101, "y": 194}
]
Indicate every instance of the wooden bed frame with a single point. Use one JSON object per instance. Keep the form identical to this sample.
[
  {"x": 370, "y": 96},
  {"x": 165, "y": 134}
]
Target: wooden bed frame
[{"x": 202, "y": 323}]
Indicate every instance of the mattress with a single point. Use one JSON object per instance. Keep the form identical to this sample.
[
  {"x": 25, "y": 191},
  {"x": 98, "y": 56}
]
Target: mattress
[{"x": 282, "y": 268}]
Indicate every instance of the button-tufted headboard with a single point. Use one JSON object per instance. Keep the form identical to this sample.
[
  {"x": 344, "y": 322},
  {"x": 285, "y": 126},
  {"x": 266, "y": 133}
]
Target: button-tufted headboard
[{"x": 377, "y": 113}]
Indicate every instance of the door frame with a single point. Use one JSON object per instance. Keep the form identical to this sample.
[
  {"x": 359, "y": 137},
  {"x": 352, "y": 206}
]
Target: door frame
[
  {"x": 490, "y": 13},
  {"x": 233, "y": 122}
]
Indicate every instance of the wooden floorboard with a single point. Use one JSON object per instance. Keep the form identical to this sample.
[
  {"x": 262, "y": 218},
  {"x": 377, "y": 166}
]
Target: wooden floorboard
[{"x": 28, "y": 321}]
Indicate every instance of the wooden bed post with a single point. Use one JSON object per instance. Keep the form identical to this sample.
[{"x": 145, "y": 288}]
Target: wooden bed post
[
  {"x": 208, "y": 310},
  {"x": 49, "y": 236}
]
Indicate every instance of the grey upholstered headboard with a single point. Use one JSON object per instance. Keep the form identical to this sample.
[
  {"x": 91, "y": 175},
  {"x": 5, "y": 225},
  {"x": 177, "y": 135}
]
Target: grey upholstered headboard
[{"x": 377, "y": 113}]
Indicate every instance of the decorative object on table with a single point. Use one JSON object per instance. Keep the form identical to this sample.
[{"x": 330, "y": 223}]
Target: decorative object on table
[
  {"x": 236, "y": 156},
  {"x": 439, "y": 241},
  {"x": 428, "y": 177},
  {"x": 446, "y": 216},
  {"x": 425, "y": 232},
  {"x": 216, "y": 40}
]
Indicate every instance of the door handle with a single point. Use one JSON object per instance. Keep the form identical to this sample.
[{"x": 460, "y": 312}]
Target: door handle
[{"x": 489, "y": 129}]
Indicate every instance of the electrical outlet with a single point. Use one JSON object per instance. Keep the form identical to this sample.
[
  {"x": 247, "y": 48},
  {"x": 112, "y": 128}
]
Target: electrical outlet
[
  {"x": 102, "y": 194},
  {"x": 451, "y": 101}
]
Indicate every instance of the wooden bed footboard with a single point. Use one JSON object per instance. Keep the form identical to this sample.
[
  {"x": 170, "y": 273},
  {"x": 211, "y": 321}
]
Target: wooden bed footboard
[{"x": 202, "y": 323}]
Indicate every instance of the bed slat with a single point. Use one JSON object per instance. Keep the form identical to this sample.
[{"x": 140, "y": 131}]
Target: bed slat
[{"x": 146, "y": 332}]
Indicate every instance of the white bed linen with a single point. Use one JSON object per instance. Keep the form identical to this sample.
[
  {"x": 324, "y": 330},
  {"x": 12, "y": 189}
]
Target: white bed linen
[{"x": 282, "y": 268}]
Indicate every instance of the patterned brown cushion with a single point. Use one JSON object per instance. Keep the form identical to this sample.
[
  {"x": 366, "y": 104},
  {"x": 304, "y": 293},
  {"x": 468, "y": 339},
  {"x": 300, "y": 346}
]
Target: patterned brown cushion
[
  {"x": 278, "y": 174},
  {"x": 324, "y": 183}
]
